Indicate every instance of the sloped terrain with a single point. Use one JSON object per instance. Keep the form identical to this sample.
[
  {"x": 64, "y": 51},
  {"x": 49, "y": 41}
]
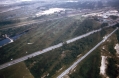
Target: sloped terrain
[
  {"x": 90, "y": 67},
  {"x": 51, "y": 64},
  {"x": 44, "y": 35}
]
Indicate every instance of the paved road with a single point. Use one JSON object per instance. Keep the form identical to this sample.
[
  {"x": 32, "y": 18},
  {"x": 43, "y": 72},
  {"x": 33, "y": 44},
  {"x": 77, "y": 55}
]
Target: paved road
[
  {"x": 79, "y": 60},
  {"x": 46, "y": 50},
  {"x": 30, "y": 56},
  {"x": 82, "y": 36}
]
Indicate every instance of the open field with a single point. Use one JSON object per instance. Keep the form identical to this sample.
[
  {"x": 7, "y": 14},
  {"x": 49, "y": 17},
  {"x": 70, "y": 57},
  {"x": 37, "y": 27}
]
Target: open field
[
  {"x": 16, "y": 71},
  {"x": 47, "y": 33},
  {"x": 59, "y": 59},
  {"x": 42, "y": 36}
]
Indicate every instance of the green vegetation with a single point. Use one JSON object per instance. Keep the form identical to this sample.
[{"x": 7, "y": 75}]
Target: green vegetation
[
  {"x": 8, "y": 22},
  {"x": 86, "y": 26},
  {"x": 14, "y": 31},
  {"x": 104, "y": 25},
  {"x": 112, "y": 59},
  {"x": 111, "y": 48},
  {"x": 89, "y": 68},
  {"x": 113, "y": 17},
  {"x": 16, "y": 71},
  {"x": 51, "y": 62},
  {"x": 112, "y": 69},
  {"x": 49, "y": 33},
  {"x": 42, "y": 36},
  {"x": 117, "y": 34}
]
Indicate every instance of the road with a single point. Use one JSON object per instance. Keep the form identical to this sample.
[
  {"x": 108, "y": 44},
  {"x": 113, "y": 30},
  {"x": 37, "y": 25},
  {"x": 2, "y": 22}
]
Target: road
[
  {"x": 82, "y": 36},
  {"x": 79, "y": 60},
  {"x": 46, "y": 50}
]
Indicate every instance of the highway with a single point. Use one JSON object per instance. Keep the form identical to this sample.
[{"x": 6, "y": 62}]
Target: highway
[
  {"x": 82, "y": 36},
  {"x": 46, "y": 49},
  {"x": 80, "y": 59}
]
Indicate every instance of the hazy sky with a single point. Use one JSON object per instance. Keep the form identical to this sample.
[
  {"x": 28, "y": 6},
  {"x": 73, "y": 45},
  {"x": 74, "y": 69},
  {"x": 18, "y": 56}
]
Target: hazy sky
[
  {"x": 4, "y": 2},
  {"x": 16, "y": 1}
]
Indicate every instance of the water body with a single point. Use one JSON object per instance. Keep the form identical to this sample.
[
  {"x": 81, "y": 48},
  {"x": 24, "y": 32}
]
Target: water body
[{"x": 7, "y": 41}]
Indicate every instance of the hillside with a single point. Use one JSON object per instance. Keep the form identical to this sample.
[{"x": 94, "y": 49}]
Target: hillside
[
  {"x": 49, "y": 33},
  {"x": 59, "y": 39}
]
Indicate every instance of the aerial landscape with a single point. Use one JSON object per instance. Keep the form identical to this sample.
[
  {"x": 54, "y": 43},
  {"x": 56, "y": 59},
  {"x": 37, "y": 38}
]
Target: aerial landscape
[{"x": 59, "y": 39}]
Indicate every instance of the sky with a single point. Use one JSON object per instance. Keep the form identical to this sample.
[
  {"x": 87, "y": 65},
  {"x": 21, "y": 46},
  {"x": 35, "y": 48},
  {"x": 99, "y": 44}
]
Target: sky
[{"x": 4, "y": 2}]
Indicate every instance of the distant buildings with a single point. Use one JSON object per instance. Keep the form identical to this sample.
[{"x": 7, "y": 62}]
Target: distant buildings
[{"x": 50, "y": 11}]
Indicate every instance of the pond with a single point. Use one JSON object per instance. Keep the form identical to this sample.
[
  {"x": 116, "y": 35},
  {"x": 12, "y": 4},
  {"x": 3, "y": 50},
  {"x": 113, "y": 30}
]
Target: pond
[{"x": 9, "y": 40}]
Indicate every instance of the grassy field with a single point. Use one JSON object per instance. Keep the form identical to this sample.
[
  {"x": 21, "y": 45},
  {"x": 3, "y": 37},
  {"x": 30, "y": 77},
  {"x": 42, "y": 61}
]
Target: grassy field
[
  {"x": 44, "y": 35},
  {"x": 56, "y": 61},
  {"x": 16, "y": 71},
  {"x": 49, "y": 33}
]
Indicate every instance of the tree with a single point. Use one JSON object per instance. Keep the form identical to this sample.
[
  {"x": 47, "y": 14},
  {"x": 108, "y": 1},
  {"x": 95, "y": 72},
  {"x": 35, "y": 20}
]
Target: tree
[{"x": 113, "y": 17}]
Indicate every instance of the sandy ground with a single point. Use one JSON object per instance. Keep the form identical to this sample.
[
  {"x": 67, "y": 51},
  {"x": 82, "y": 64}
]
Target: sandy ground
[
  {"x": 103, "y": 66},
  {"x": 117, "y": 48}
]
